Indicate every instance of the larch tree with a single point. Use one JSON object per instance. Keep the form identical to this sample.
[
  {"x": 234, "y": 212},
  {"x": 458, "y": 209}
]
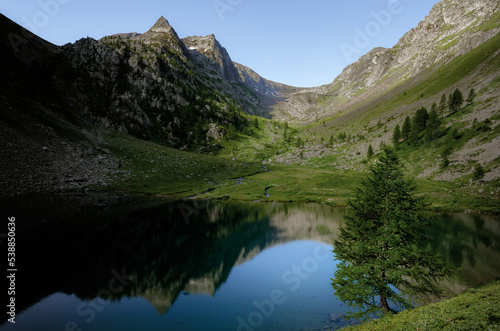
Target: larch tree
[
  {"x": 406, "y": 129},
  {"x": 381, "y": 251},
  {"x": 396, "y": 135}
]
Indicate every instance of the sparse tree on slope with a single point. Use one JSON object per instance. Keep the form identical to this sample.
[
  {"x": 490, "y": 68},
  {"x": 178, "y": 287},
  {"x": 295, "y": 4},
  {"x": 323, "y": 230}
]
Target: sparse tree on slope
[
  {"x": 331, "y": 142},
  {"x": 433, "y": 124},
  {"x": 406, "y": 129},
  {"x": 396, "y": 135},
  {"x": 471, "y": 97},
  {"x": 370, "y": 153},
  {"x": 478, "y": 172},
  {"x": 442, "y": 105},
  {"x": 434, "y": 107},
  {"x": 455, "y": 101},
  {"x": 380, "y": 254},
  {"x": 420, "y": 119}
]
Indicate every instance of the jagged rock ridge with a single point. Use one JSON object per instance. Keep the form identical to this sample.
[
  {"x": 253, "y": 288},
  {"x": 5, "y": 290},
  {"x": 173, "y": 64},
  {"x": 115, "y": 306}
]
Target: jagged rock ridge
[
  {"x": 211, "y": 54},
  {"x": 451, "y": 29}
]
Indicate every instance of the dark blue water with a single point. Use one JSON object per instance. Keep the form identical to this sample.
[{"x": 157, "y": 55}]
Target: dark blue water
[{"x": 205, "y": 266}]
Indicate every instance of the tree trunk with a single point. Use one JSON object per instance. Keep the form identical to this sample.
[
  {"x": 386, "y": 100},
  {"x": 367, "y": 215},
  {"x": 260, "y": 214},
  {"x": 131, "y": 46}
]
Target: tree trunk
[
  {"x": 383, "y": 299},
  {"x": 384, "y": 304}
]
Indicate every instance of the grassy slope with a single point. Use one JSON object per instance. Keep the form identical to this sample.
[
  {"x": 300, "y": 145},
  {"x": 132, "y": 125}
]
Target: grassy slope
[
  {"x": 290, "y": 183},
  {"x": 476, "y": 309},
  {"x": 237, "y": 172},
  {"x": 149, "y": 168}
]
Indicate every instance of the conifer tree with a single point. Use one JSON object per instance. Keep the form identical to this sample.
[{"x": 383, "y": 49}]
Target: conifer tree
[
  {"x": 433, "y": 124},
  {"x": 370, "y": 153},
  {"x": 415, "y": 130},
  {"x": 478, "y": 172},
  {"x": 380, "y": 248},
  {"x": 445, "y": 161},
  {"x": 456, "y": 101},
  {"x": 434, "y": 107},
  {"x": 406, "y": 129},
  {"x": 332, "y": 141},
  {"x": 420, "y": 119},
  {"x": 299, "y": 143},
  {"x": 471, "y": 97},
  {"x": 442, "y": 105},
  {"x": 396, "y": 135}
]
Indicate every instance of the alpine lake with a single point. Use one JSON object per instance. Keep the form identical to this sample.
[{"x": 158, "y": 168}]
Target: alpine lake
[{"x": 113, "y": 262}]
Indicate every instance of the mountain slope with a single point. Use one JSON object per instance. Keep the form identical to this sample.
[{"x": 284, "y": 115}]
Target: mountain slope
[
  {"x": 452, "y": 28},
  {"x": 105, "y": 112},
  {"x": 61, "y": 110},
  {"x": 211, "y": 53},
  {"x": 152, "y": 87},
  {"x": 457, "y": 46}
]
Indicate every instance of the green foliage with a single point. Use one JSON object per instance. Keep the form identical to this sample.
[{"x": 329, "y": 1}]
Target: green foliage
[
  {"x": 331, "y": 141},
  {"x": 406, "y": 129},
  {"x": 455, "y": 101},
  {"x": 414, "y": 133},
  {"x": 433, "y": 123},
  {"x": 396, "y": 135},
  {"x": 380, "y": 247},
  {"x": 478, "y": 172},
  {"x": 370, "y": 153},
  {"x": 256, "y": 123},
  {"x": 476, "y": 309},
  {"x": 471, "y": 97},
  {"x": 323, "y": 229},
  {"x": 342, "y": 137},
  {"x": 442, "y": 105},
  {"x": 420, "y": 119},
  {"x": 444, "y": 157},
  {"x": 299, "y": 143}
]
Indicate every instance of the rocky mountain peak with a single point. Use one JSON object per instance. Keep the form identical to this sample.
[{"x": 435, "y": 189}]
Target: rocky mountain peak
[
  {"x": 161, "y": 26},
  {"x": 162, "y": 32},
  {"x": 203, "y": 44},
  {"x": 452, "y": 28},
  {"x": 209, "y": 51}
]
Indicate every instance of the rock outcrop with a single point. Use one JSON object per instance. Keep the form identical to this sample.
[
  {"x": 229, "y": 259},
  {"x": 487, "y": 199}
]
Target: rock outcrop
[
  {"x": 211, "y": 54},
  {"x": 451, "y": 29}
]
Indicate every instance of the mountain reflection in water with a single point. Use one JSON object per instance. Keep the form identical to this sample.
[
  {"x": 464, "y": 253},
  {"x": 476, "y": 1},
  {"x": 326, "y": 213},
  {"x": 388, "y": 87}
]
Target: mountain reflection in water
[{"x": 133, "y": 254}]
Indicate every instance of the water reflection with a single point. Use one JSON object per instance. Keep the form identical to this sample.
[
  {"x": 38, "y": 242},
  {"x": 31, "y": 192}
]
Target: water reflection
[
  {"x": 131, "y": 255},
  {"x": 470, "y": 242}
]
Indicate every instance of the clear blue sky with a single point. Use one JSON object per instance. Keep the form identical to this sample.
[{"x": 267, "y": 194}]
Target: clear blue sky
[{"x": 300, "y": 43}]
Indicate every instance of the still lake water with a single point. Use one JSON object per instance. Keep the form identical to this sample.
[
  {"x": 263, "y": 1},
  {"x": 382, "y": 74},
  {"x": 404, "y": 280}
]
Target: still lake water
[{"x": 170, "y": 265}]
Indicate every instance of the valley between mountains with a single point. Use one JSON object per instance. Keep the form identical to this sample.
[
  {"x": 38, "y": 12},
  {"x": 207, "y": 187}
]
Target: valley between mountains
[{"x": 151, "y": 113}]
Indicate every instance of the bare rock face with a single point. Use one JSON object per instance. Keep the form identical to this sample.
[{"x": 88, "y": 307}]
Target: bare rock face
[
  {"x": 162, "y": 26},
  {"x": 158, "y": 83},
  {"x": 211, "y": 53},
  {"x": 214, "y": 132},
  {"x": 452, "y": 28},
  {"x": 447, "y": 32},
  {"x": 261, "y": 85}
]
